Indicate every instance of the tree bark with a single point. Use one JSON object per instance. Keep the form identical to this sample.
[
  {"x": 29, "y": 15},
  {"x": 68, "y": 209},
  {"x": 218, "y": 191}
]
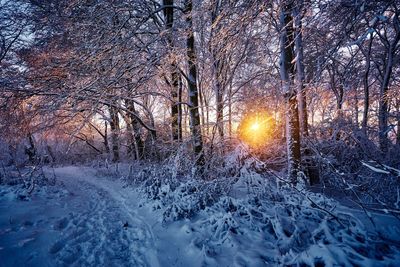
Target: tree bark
[
  {"x": 129, "y": 137},
  {"x": 230, "y": 110},
  {"x": 384, "y": 103},
  {"x": 356, "y": 108},
  {"x": 174, "y": 84},
  {"x": 131, "y": 150},
  {"x": 115, "y": 130},
  {"x": 195, "y": 126},
  {"x": 337, "y": 89},
  {"x": 364, "y": 123},
  {"x": 217, "y": 72},
  {"x": 398, "y": 122},
  {"x": 201, "y": 108},
  {"x": 384, "y": 88},
  {"x": 105, "y": 138},
  {"x": 137, "y": 142},
  {"x": 30, "y": 150},
  {"x": 287, "y": 79},
  {"x": 219, "y": 93},
  {"x": 180, "y": 112},
  {"x": 301, "y": 89}
]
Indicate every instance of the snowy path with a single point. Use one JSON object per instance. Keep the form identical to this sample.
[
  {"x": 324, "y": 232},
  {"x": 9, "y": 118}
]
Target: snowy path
[
  {"x": 98, "y": 236},
  {"x": 84, "y": 228}
]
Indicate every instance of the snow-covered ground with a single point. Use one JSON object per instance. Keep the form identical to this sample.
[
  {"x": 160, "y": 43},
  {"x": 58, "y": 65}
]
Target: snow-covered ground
[
  {"x": 89, "y": 220},
  {"x": 85, "y": 222}
]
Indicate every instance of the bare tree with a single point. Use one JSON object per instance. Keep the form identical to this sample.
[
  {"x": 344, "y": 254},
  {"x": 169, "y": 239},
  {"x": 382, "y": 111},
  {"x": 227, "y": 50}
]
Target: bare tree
[
  {"x": 193, "y": 92},
  {"x": 115, "y": 132},
  {"x": 389, "y": 35},
  {"x": 287, "y": 77},
  {"x": 300, "y": 75},
  {"x": 174, "y": 74}
]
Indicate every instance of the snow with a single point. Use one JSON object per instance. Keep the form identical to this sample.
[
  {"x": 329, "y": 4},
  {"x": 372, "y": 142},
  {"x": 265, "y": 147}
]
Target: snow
[
  {"x": 92, "y": 218},
  {"x": 372, "y": 168},
  {"x": 81, "y": 226}
]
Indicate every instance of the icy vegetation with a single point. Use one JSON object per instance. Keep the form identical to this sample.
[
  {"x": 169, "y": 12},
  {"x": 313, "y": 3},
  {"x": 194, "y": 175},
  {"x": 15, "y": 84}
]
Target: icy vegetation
[
  {"x": 161, "y": 215},
  {"x": 199, "y": 133},
  {"x": 246, "y": 220}
]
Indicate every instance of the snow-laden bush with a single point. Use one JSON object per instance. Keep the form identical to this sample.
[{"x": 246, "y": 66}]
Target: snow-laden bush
[
  {"x": 175, "y": 188},
  {"x": 191, "y": 197},
  {"x": 288, "y": 227},
  {"x": 29, "y": 177},
  {"x": 249, "y": 213},
  {"x": 179, "y": 197},
  {"x": 352, "y": 165}
]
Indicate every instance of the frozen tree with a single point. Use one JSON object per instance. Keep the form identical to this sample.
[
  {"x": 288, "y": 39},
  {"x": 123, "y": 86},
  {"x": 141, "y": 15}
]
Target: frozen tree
[
  {"x": 388, "y": 33},
  {"x": 192, "y": 86},
  {"x": 287, "y": 72},
  {"x": 298, "y": 11},
  {"x": 174, "y": 79}
]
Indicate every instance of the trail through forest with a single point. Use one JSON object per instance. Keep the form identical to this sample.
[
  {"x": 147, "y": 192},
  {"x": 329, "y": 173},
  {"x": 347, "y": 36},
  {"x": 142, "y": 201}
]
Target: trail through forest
[{"x": 91, "y": 224}]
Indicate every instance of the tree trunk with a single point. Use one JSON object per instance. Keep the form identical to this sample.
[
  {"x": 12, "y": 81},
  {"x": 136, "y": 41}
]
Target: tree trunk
[
  {"x": 338, "y": 91},
  {"x": 129, "y": 138},
  {"x": 131, "y": 150},
  {"x": 151, "y": 138},
  {"x": 115, "y": 130},
  {"x": 398, "y": 122},
  {"x": 201, "y": 108},
  {"x": 217, "y": 70},
  {"x": 175, "y": 105},
  {"x": 287, "y": 78},
  {"x": 219, "y": 93},
  {"x": 180, "y": 114},
  {"x": 301, "y": 89},
  {"x": 192, "y": 88},
  {"x": 356, "y": 109},
  {"x": 30, "y": 150},
  {"x": 384, "y": 89},
  {"x": 384, "y": 103},
  {"x": 364, "y": 123},
  {"x": 174, "y": 83},
  {"x": 185, "y": 119},
  {"x": 137, "y": 142},
  {"x": 398, "y": 130},
  {"x": 230, "y": 110},
  {"x": 105, "y": 138}
]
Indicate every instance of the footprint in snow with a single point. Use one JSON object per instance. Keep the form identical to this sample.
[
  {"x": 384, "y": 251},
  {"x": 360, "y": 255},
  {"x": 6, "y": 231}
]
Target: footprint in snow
[{"x": 61, "y": 224}]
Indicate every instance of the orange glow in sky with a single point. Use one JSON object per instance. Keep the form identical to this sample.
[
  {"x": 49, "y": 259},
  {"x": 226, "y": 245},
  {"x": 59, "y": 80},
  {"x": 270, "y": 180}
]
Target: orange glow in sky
[{"x": 256, "y": 129}]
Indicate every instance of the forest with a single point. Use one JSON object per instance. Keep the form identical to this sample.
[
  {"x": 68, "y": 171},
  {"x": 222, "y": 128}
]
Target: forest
[{"x": 199, "y": 133}]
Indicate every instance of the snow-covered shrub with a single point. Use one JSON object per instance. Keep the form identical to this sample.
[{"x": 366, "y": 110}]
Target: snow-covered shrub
[
  {"x": 295, "y": 229},
  {"x": 282, "y": 225},
  {"x": 30, "y": 178},
  {"x": 11, "y": 175},
  {"x": 354, "y": 164},
  {"x": 179, "y": 197},
  {"x": 190, "y": 197},
  {"x": 181, "y": 162},
  {"x": 175, "y": 188}
]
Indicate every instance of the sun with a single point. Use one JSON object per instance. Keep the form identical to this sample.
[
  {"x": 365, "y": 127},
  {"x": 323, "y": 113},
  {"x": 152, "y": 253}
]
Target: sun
[
  {"x": 256, "y": 129},
  {"x": 255, "y": 126}
]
